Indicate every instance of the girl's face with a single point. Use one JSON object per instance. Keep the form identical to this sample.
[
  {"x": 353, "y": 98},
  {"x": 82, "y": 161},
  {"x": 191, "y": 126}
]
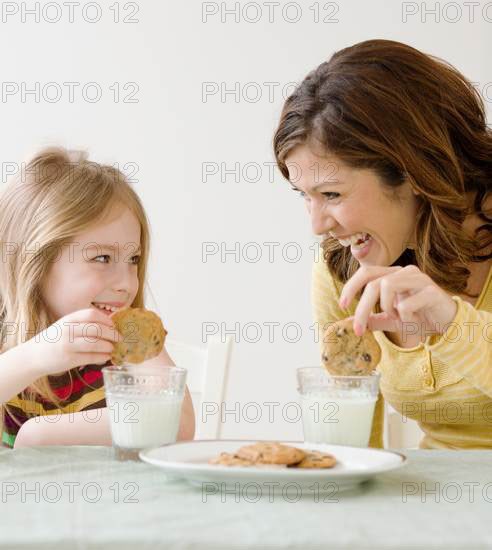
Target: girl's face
[
  {"x": 86, "y": 271},
  {"x": 354, "y": 206}
]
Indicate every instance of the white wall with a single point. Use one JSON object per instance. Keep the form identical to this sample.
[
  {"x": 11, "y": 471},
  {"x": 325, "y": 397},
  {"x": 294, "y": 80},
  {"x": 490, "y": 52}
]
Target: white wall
[{"x": 171, "y": 131}]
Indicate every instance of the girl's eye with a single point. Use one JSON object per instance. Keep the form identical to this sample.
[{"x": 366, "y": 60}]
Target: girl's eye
[
  {"x": 103, "y": 256},
  {"x": 107, "y": 256}
]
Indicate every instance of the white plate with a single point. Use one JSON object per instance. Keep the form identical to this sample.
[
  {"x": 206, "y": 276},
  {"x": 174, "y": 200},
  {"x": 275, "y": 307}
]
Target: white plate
[{"x": 189, "y": 460}]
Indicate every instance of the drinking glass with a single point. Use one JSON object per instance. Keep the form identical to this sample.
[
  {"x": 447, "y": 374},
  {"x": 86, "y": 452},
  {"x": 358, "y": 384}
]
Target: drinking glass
[
  {"x": 144, "y": 406},
  {"x": 337, "y": 410}
]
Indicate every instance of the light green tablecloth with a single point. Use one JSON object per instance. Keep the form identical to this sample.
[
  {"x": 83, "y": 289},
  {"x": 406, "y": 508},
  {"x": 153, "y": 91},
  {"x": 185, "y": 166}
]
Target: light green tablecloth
[{"x": 100, "y": 503}]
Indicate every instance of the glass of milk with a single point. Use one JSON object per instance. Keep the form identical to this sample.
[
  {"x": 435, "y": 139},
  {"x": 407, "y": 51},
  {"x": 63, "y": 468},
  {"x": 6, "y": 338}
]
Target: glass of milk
[
  {"x": 144, "y": 406},
  {"x": 337, "y": 410}
]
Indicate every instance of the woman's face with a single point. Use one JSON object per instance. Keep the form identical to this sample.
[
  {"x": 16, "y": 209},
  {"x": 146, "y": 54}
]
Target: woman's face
[
  {"x": 86, "y": 272},
  {"x": 347, "y": 203}
]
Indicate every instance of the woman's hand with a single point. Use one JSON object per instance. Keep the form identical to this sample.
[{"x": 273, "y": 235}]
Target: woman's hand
[{"x": 412, "y": 305}]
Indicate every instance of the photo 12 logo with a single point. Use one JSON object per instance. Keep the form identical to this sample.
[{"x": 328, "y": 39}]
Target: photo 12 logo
[
  {"x": 270, "y": 491},
  {"x": 448, "y": 12},
  {"x": 68, "y": 92},
  {"x": 67, "y": 491},
  {"x": 69, "y": 12},
  {"x": 37, "y": 174},
  {"x": 246, "y": 92},
  {"x": 270, "y": 12}
]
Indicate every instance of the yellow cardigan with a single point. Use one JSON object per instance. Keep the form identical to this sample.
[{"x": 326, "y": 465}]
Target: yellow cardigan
[{"x": 444, "y": 383}]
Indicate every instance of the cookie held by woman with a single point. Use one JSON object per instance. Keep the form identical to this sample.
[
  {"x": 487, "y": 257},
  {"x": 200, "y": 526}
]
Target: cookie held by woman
[{"x": 346, "y": 354}]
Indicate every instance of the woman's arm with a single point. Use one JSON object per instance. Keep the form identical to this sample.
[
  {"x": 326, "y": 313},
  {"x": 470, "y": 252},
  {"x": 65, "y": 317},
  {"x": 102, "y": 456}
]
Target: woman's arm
[
  {"x": 467, "y": 345},
  {"x": 449, "y": 329}
]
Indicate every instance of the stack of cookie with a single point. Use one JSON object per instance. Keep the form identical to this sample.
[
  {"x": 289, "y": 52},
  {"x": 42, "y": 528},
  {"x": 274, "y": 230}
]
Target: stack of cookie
[{"x": 268, "y": 454}]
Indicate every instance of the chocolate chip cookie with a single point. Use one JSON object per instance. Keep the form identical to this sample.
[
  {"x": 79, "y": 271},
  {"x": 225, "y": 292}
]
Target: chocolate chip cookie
[
  {"x": 143, "y": 335},
  {"x": 346, "y": 354},
  {"x": 228, "y": 459},
  {"x": 271, "y": 452},
  {"x": 316, "y": 460}
]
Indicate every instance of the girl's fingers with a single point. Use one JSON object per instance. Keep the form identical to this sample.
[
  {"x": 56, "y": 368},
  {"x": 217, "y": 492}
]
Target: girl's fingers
[
  {"x": 85, "y": 345},
  {"x": 92, "y": 331},
  {"x": 96, "y": 358}
]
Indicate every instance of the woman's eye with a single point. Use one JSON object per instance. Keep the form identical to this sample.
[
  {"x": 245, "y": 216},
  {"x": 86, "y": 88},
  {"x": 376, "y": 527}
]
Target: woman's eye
[{"x": 330, "y": 195}]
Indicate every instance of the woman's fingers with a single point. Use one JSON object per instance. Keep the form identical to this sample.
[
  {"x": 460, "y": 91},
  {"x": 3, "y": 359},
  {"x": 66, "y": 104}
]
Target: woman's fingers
[
  {"x": 409, "y": 306},
  {"x": 381, "y": 321},
  {"x": 360, "y": 279},
  {"x": 387, "y": 290},
  {"x": 366, "y": 304}
]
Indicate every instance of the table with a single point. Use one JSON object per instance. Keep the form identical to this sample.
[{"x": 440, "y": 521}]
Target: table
[{"x": 85, "y": 499}]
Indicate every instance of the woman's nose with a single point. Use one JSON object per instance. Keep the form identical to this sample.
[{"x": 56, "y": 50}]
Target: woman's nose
[{"x": 321, "y": 221}]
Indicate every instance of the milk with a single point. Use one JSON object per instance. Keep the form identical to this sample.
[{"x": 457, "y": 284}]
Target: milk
[
  {"x": 139, "y": 421},
  {"x": 339, "y": 419}
]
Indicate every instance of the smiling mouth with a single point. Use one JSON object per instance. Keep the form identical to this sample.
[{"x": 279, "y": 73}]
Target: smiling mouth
[
  {"x": 357, "y": 240},
  {"x": 105, "y": 307}
]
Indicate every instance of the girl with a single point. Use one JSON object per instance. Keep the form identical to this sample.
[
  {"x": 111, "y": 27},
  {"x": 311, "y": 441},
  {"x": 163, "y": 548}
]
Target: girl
[
  {"x": 391, "y": 152},
  {"x": 74, "y": 237}
]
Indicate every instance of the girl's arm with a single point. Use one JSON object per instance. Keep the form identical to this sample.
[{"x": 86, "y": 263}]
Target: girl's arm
[
  {"x": 88, "y": 428},
  {"x": 92, "y": 427},
  {"x": 16, "y": 372}
]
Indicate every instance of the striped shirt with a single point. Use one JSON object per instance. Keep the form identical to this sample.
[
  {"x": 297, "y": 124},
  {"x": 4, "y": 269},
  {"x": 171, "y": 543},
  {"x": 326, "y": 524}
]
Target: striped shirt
[
  {"x": 444, "y": 383},
  {"x": 83, "y": 393}
]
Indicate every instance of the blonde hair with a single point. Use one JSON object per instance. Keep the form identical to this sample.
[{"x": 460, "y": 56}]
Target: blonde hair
[{"x": 55, "y": 196}]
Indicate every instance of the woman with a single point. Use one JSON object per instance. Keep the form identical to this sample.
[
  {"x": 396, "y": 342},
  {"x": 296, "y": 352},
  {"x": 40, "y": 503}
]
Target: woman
[{"x": 390, "y": 150}]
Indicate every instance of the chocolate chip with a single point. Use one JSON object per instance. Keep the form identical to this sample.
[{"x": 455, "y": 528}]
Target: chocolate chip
[
  {"x": 366, "y": 357},
  {"x": 324, "y": 357}
]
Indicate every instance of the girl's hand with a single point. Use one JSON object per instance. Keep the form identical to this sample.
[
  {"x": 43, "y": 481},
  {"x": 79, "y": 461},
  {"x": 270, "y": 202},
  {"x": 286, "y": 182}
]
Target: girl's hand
[
  {"x": 80, "y": 338},
  {"x": 161, "y": 360},
  {"x": 411, "y": 303}
]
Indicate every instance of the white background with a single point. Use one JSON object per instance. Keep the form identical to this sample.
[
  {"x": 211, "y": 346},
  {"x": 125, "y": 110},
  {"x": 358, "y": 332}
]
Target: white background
[{"x": 171, "y": 130}]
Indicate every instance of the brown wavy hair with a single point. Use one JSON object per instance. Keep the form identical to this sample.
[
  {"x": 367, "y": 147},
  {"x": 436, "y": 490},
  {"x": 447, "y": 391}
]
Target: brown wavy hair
[{"x": 408, "y": 116}]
